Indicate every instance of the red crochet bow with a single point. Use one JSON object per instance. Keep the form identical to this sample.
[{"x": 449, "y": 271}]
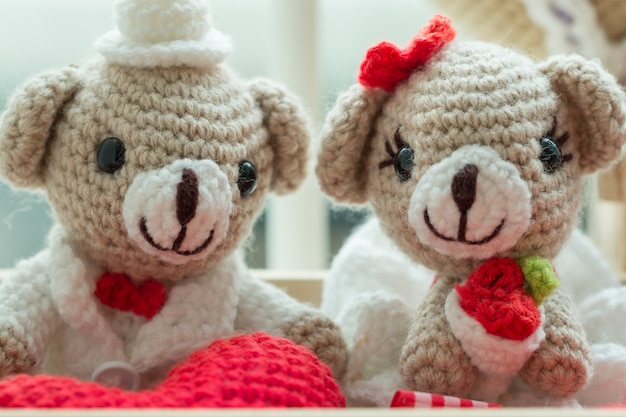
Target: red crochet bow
[
  {"x": 385, "y": 65},
  {"x": 117, "y": 291}
]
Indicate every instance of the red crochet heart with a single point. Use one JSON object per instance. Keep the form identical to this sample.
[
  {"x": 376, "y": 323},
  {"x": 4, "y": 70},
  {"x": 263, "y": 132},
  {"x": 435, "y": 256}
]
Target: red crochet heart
[
  {"x": 385, "y": 64},
  {"x": 118, "y": 291},
  {"x": 494, "y": 295},
  {"x": 255, "y": 370}
]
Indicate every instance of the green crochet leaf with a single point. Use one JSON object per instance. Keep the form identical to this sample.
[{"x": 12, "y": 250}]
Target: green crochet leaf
[{"x": 540, "y": 279}]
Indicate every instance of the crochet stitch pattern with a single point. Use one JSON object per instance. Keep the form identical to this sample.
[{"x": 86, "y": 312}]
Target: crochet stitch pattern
[
  {"x": 117, "y": 291},
  {"x": 494, "y": 295},
  {"x": 254, "y": 371},
  {"x": 156, "y": 159},
  {"x": 385, "y": 65},
  {"x": 473, "y": 165}
]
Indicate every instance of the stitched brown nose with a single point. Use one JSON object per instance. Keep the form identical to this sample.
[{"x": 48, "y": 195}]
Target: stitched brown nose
[
  {"x": 464, "y": 187},
  {"x": 187, "y": 197}
]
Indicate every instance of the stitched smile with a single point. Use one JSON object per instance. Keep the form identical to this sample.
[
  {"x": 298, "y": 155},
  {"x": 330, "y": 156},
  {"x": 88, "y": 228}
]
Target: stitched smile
[
  {"x": 461, "y": 235},
  {"x": 143, "y": 228}
]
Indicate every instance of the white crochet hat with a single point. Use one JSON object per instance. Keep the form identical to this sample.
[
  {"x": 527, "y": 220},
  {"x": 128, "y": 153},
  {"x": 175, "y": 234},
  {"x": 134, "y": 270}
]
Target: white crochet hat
[{"x": 163, "y": 33}]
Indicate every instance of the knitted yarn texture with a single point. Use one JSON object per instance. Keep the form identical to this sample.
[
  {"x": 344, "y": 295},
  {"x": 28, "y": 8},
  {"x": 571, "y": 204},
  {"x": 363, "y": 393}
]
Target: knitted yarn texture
[
  {"x": 504, "y": 308},
  {"x": 385, "y": 65},
  {"x": 164, "y": 33},
  {"x": 479, "y": 155},
  {"x": 167, "y": 120},
  {"x": 374, "y": 315},
  {"x": 156, "y": 160},
  {"x": 254, "y": 370},
  {"x": 119, "y": 292}
]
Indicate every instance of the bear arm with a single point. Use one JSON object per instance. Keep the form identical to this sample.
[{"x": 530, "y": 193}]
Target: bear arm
[
  {"x": 265, "y": 307},
  {"x": 432, "y": 359},
  {"x": 28, "y": 317},
  {"x": 561, "y": 365},
  {"x": 15, "y": 353},
  {"x": 322, "y": 337}
]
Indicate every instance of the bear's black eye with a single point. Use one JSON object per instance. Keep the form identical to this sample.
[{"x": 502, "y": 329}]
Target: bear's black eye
[
  {"x": 402, "y": 159},
  {"x": 403, "y": 163},
  {"x": 247, "y": 178},
  {"x": 111, "y": 155},
  {"x": 550, "y": 155}
]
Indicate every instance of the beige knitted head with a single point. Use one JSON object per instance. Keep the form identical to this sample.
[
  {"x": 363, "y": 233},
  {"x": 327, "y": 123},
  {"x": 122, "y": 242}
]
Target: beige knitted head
[
  {"x": 596, "y": 29},
  {"x": 157, "y": 158},
  {"x": 474, "y": 151}
]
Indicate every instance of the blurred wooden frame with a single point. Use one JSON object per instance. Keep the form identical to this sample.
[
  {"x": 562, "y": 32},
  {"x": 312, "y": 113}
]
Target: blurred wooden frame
[
  {"x": 305, "y": 286},
  {"x": 609, "y": 217}
]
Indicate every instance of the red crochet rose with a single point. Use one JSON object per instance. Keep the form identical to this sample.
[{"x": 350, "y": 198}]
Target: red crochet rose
[{"x": 494, "y": 295}]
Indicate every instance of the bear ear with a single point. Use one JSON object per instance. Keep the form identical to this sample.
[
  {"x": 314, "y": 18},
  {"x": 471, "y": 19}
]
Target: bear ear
[
  {"x": 28, "y": 121},
  {"x": 596, "y": 108},
  {"x": 344, "y": 146},
  {"x": 289, "y": 131}
]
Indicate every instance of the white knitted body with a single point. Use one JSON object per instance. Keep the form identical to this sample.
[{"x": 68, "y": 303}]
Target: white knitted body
[
  {"x": 371, "y": 290},
  {"x": 69, "y": 327}
]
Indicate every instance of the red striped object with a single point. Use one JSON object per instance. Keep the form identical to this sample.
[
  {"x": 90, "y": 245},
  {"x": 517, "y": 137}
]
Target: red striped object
[{"x": 414, "y": 399}]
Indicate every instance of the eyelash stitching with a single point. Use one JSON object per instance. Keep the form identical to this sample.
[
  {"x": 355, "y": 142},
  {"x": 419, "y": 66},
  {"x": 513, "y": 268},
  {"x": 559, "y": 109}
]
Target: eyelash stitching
[
  {"x": 400, "y": 143},
  {"x": 560, "y": 141}
]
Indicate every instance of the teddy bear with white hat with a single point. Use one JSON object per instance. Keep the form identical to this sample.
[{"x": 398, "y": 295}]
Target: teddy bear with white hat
[{"x": 156, "y": 160}]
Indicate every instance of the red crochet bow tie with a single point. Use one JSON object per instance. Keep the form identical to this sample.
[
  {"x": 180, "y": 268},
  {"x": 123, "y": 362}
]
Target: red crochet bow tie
[{"x": 117, "y": 291}]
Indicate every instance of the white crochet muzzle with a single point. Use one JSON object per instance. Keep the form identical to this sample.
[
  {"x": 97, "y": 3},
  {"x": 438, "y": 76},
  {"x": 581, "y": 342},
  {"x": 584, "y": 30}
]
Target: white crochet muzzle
[
  {"x": 179, "y": 212},
  {"x": 472, "y": 204}
]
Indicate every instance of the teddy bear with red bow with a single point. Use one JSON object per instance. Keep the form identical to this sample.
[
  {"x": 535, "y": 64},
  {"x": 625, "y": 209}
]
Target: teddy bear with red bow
[
  {"x": 156, "y": 160},
  {"x": 472, "y": 157}
]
